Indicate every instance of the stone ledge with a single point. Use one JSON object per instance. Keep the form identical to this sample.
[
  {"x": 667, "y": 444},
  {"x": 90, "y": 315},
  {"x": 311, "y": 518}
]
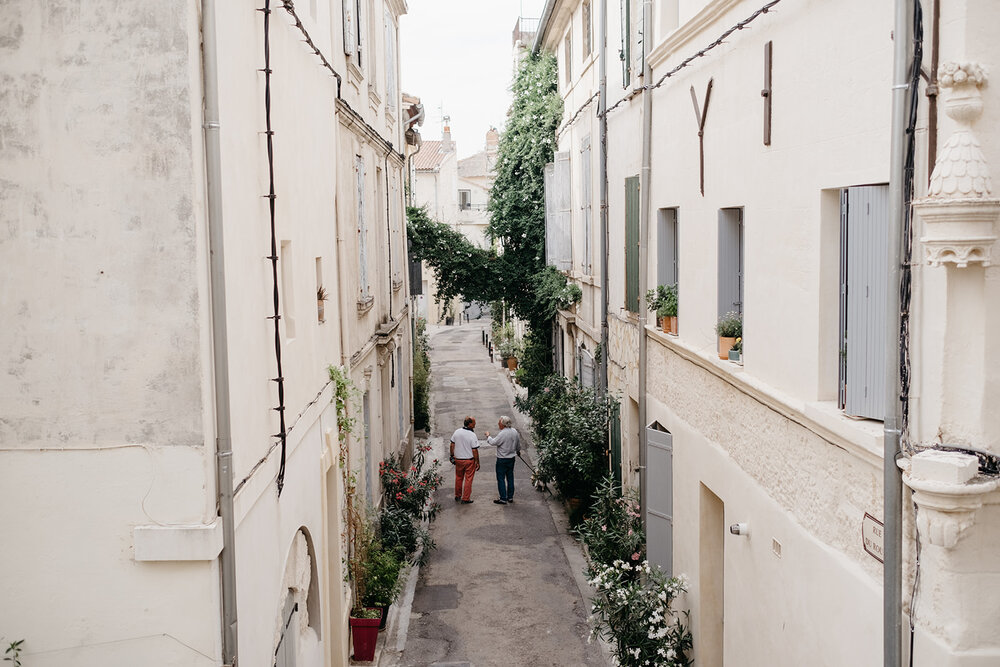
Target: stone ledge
[{"x": 177, "y": 543}]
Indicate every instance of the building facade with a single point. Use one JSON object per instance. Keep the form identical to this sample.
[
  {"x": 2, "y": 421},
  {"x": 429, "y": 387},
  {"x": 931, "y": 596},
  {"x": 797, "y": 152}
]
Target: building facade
[
  {"x": 766, "y": 191},
  {"x": 203, "y": 273}
]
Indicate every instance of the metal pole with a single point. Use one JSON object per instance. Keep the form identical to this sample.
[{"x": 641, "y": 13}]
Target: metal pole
[
  {"x": 644, "y": 204},
  {"x": 220, "y": 351},
  {"x": 892, "y": 584},
  {"x": 602, "y": 107}
]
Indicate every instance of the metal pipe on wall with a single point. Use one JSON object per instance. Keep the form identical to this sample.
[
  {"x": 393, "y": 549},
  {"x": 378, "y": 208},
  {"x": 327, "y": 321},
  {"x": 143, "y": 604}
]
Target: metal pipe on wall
[
  {"x": 644, "y": 204},
  {"x": 892, "y": 585},
  {"x": 220, "y": 344},
  {"x": 602, "y": 168}
]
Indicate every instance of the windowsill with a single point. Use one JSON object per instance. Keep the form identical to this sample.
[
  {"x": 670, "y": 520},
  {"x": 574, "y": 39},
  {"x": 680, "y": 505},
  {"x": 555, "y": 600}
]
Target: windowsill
[
  {"x": 373, "y": 98},
  {"x": 862, "y": 438},
  {"x": 365, "y": 304}
]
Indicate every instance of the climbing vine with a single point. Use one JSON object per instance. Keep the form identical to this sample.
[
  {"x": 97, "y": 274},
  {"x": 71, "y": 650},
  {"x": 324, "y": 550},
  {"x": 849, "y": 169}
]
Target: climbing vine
[{"x": 461, "y": 269}]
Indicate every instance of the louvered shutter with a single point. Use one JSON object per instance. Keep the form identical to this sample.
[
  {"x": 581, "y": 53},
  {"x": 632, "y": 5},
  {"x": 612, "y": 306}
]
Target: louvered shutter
[
  {"x": 867, "y": 238},
  {"x": 558, "y": 216},
  {"x": 632, "y": 244},
  {"x": 660, "y": 497},
  {"x": 587, "y": 260},
  {"x": 350, "y": 28},
  {"x": 359, "y": 168}
]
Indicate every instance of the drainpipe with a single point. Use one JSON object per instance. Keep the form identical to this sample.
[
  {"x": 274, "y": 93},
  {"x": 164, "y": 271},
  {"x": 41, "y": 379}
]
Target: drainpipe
[
  {"x": 644, "y": 203},
  {"x": 892, "y": 585},
  {"x": 602, "y": 168},
  {"x": 223, "y": 432}
]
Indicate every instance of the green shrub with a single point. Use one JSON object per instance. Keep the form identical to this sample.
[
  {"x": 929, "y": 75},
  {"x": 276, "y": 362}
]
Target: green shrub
[
  {"x": 421, "y": 377},
  {"x": 399, "y": 530},
  {"x": 613, "y": 529},
  {"x": 382, "y": 583}
]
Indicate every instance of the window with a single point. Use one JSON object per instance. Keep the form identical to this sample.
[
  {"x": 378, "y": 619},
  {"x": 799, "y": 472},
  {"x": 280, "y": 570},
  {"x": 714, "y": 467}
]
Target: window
[
  {"x": 632, "y": 244},
  {"x": 287, "y": 289},
  {"x": 568, "y": 57},
  {"x": 321, "y": 293},
  {"x": 464, "y": 200},
  {"x": 359, "y": 170},
  {"x": 586, "y": 30},
  {"x": 586, "y": 179},
  {"x": 666, "y": 246},
  {"x": 730, "y": 260},
  {"x": 864, "y": 220}
]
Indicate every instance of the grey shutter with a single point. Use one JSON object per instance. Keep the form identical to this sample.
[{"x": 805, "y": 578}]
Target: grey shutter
[
  {"x": 285, "y": 653},
  {"x": 586, "y": 369},
  {"x": 730, "y": 260},
  {"x": 586, "y": 177},
  {"x": 632, "y": 244},
  {"x": 867, "y": 239},
  {"x": 359, "y": 169},
  {"x": 660, "y": 498},
  {"x": 558, "y": 242},
  {"x": 390, "y": 62},
  {"x": 366, "y": 412},
  {"x": 666, "y": 247},
  {"x": 350, "y": 28}
]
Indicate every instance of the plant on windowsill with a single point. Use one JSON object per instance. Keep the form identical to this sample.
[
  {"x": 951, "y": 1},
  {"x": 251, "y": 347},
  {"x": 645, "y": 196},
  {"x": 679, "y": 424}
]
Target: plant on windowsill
[
  {"x": 321, "y": 297},
  {"x": 736, "y": 354},
  {"x": 728, "y": 328},
  {"x": 664, "y": 301}
]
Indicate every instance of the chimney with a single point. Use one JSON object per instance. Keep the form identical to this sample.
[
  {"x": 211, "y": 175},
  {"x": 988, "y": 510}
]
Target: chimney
[
  {"x": 447, "y": 145},
  {"x": 492, "y": 140}
]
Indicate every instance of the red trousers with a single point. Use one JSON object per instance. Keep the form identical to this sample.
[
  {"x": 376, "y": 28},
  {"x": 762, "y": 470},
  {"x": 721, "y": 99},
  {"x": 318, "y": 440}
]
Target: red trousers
[{"x": 465, "y": 470}]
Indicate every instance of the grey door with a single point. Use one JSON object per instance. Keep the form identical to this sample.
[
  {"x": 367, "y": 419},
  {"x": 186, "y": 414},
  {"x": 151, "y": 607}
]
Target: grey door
[
  {"x": 660, "y": 497},
  {"x": 864, "y": 234}
]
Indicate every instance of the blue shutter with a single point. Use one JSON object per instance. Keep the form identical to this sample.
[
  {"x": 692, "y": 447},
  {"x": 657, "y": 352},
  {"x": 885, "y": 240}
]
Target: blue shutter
[
  {"x": 660, "y": 497},
  {"x": 867, "y": 221}
]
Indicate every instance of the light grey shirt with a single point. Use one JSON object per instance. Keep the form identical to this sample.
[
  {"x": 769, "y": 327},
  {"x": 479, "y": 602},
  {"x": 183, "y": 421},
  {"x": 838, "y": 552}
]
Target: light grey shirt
[{"x": 507, "y": 442}]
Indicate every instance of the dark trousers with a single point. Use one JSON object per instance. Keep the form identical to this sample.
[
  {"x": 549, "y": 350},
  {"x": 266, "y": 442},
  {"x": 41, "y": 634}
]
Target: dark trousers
[{"x": 505, "y": 478}]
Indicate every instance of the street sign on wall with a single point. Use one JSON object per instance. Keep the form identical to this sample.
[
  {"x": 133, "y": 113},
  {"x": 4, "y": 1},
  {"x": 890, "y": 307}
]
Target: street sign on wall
[{"x": 872, "y": 537}]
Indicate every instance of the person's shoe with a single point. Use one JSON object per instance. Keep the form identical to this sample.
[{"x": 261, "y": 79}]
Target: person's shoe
[
  {"x": 466, "y": 502},
  {"x": 510, "y": 501},
  {"x": 457, "y": 498},
  {"x": 499, "y": 501}
]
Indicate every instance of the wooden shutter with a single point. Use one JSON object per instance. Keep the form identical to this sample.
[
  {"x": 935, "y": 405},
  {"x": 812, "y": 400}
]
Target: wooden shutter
[
  {"x": 359, "y": 169},
  {"x": 558, "y": 216},
  {"x": 730, "y": 260},
  {"x": 616, "y": 445},
  {"x": 632, "y": 244},
  {"x": 660, "y": 497},
  {"x": 586, "y": 369},
  {"x": 586, "y": 178},
  {"x": 867, "y": 222},
  {"x": 350, "y": 28},
  {"x": 390, "y": 62},
  {"x": 666, "y": 246}
]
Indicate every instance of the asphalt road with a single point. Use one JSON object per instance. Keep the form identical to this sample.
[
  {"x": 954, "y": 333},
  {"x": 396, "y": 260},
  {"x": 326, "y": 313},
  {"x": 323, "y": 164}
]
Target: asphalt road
[{"x": 505, "y": 584}]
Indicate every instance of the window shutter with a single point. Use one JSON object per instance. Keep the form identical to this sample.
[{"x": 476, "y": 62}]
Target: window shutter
[
  {"x": 585, "y": 184},
  {"x": 632, "y": 244},
  {"x": 390, "y": 62},
  {"x": 586, "y": 369},
  {"x": 867, "y": 238},
  {"x": 666, "y": 247},
  {"x": 558, "y": 216},
  {"x": 359, "y": 168},
  {"x": 660, "y": 503},
  {"x": 730, "y": 289},
  {"x": 350, "y": 28}
]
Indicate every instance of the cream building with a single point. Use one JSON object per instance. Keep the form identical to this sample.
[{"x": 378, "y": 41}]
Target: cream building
[
  {"x": 766, "y": 192},
  {"x": 169, "y": 480}
]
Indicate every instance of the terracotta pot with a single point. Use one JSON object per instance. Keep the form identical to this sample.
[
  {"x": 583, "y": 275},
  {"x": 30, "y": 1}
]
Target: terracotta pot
[
  {"x": 665, "y": 324},
  {"x": 673, "y": 324},
  {"x": 725, "y": 344},
  {"x": 512, "y": 363},
  {"x": 364, "y": 636},
  {"x": 321, "y": 309}
]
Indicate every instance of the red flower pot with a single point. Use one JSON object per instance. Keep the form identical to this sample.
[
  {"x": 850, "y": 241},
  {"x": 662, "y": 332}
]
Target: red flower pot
[{"x": 364, "y": 635}]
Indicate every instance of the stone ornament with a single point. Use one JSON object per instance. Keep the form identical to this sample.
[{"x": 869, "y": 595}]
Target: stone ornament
[{"x": 959, "y": 211}]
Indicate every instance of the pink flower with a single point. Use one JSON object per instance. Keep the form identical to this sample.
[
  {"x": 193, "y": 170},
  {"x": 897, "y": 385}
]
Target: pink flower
[
  {"x": 604, "y": 528},
  {"x": 635, "y": 556}
]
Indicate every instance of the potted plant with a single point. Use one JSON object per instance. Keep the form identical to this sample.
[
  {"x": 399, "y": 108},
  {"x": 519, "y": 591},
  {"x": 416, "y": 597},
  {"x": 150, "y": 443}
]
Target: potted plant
[
  {"x": 382, "y": 583},
  {"x": 736, "y": 354},
  {"x": 728, "y": 328},
  {"x": 321, "y": 297},
  {"x": 663, "y": 300},
  {"x": 364, "y": 621}
]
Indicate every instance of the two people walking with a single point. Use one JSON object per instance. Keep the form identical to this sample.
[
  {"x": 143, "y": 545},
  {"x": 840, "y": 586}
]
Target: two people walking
[{"x": 465, "y": 455}]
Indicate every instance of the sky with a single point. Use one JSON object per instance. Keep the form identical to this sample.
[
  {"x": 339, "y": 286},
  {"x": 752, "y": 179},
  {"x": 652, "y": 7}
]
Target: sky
[{"x": 457, "y": 57}]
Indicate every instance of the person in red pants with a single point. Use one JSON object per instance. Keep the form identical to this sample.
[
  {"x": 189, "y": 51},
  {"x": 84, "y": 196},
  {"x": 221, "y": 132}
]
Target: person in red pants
[{"x": 465, "y": 456}]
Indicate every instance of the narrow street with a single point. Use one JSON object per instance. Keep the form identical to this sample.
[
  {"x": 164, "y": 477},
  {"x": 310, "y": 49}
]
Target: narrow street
[{"x": 503, "y": 586}]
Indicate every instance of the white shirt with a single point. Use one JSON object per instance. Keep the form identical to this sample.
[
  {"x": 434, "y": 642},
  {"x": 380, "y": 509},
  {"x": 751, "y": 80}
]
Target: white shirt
[{"x": 465, "y": 441}]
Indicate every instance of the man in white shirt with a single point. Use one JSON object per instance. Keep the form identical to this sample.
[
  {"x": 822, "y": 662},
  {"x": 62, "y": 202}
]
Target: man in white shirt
[{"x": 465, "y": 456}]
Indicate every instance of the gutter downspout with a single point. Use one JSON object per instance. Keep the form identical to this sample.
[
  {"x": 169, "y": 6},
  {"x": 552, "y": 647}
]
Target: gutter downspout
[
  {"x": 644, "y": 203},
  {"x": 602, "y": 168},
  {"x": 220, "y": 351},
  {"x": 892, "y": 584}
]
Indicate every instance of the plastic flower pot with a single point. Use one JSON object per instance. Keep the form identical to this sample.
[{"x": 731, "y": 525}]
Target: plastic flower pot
[{"x": 364, "y": 636}]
